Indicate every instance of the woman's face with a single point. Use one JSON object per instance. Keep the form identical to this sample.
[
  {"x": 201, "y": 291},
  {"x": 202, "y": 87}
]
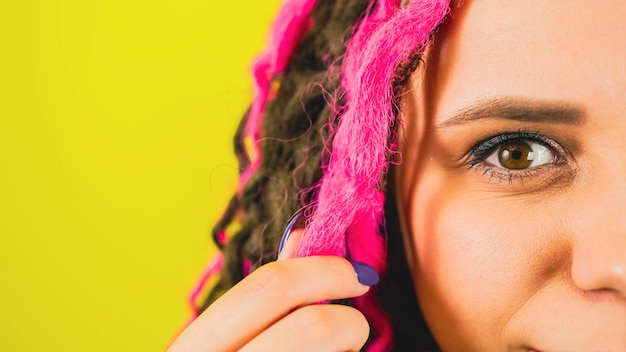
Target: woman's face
[{"x": 514, "y": 180}]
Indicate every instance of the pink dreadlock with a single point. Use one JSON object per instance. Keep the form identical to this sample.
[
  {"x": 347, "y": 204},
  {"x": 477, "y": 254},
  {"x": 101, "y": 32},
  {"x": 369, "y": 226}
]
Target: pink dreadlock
[
  {"x": 350, "y": 206},
  {"x": 348, "y": 209}
]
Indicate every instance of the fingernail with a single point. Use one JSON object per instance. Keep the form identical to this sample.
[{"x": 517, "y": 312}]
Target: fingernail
[
  {"x": 366, "y": 275},
  {"x": 285, "y": 237}
]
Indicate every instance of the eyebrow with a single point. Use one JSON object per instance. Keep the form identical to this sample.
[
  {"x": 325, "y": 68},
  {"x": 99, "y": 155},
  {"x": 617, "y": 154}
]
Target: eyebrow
[{"x": 519, "y": 109}]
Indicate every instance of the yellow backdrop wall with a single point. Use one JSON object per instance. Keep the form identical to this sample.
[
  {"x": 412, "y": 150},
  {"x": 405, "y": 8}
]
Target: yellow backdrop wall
[{"x": 115, "y": 159}]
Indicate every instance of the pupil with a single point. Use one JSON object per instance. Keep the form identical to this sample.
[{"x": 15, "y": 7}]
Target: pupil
[{"x": 514, "y": 155}]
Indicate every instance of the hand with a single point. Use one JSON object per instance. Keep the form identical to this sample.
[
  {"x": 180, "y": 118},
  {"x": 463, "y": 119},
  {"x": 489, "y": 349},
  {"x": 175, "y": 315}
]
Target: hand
[{"x": 274, "y": 309}]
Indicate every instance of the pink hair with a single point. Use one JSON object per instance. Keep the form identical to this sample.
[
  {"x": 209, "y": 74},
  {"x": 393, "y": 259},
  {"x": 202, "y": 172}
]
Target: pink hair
[
  {"x": 349, "y": 208},
  {"x": 349, "y": 212},
  {"x": 292, "y": 21}
]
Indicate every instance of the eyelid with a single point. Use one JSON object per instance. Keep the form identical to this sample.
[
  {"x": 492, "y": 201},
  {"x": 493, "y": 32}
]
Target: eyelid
[
  {"x": 485, "y": 147},
  {"x": 547, "y": 173}
]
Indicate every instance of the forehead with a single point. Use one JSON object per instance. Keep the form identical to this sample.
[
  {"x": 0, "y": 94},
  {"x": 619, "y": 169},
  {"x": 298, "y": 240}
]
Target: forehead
[{"x": 563, "y": 50}]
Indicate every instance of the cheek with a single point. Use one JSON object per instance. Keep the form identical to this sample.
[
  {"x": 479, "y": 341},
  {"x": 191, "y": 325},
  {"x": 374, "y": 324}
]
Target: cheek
[{"x": 480, "y": 257}]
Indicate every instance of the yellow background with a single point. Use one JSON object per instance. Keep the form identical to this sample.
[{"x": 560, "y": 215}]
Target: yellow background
[{"x": 115, "y": 159}]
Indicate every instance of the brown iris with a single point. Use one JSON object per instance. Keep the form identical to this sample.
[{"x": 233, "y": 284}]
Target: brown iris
[{"x": 514, "y": 155}]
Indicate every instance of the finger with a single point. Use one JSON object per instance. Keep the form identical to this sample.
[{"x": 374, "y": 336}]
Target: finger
[
  {"x": 291, "y": 244},
  {"x": 268, "y": 294},
  {"x": 319, "y": 327}
]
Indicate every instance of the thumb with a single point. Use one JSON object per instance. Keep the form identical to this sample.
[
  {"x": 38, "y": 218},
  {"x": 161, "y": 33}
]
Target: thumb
[{"x": 290, "y": 244}]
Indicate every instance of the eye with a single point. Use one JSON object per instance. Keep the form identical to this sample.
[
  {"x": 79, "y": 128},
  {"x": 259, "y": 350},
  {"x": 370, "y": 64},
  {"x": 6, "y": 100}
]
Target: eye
[{"x": 520, "y": 154}]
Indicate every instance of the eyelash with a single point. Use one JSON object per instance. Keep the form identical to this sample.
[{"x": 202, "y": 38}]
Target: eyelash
[{"x": 481, "y": 151}]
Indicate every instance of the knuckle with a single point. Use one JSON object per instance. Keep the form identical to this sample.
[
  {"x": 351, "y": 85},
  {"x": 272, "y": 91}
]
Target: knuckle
[
  {"x": 269, "y": 278},
  {"x": 314, "y": 321},
  {"x": 342, "y": 327}
]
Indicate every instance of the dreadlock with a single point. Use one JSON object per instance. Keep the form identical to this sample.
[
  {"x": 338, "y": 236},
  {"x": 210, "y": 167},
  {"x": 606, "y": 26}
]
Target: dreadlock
[
  {"x": 292, "y": 160},
  {"x": 293, "y": 129}
]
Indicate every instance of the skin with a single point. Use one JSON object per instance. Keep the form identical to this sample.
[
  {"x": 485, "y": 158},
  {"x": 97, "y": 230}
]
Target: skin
[
  {"x": 274, "y": 309},
  {"x": 533, "y": 259}
]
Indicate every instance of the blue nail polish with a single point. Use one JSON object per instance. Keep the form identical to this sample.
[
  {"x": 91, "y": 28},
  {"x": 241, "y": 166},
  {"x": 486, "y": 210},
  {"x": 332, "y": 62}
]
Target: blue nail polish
[
  {"x": 283, "y": 240},
  {"x": 366, "y": 275}
]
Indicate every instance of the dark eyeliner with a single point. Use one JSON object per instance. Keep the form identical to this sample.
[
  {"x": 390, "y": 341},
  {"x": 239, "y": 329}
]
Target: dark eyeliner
[{"x": 481, "y": 150}]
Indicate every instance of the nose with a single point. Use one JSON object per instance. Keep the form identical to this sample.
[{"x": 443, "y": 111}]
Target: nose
[{"x": 599, "y": 251}]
